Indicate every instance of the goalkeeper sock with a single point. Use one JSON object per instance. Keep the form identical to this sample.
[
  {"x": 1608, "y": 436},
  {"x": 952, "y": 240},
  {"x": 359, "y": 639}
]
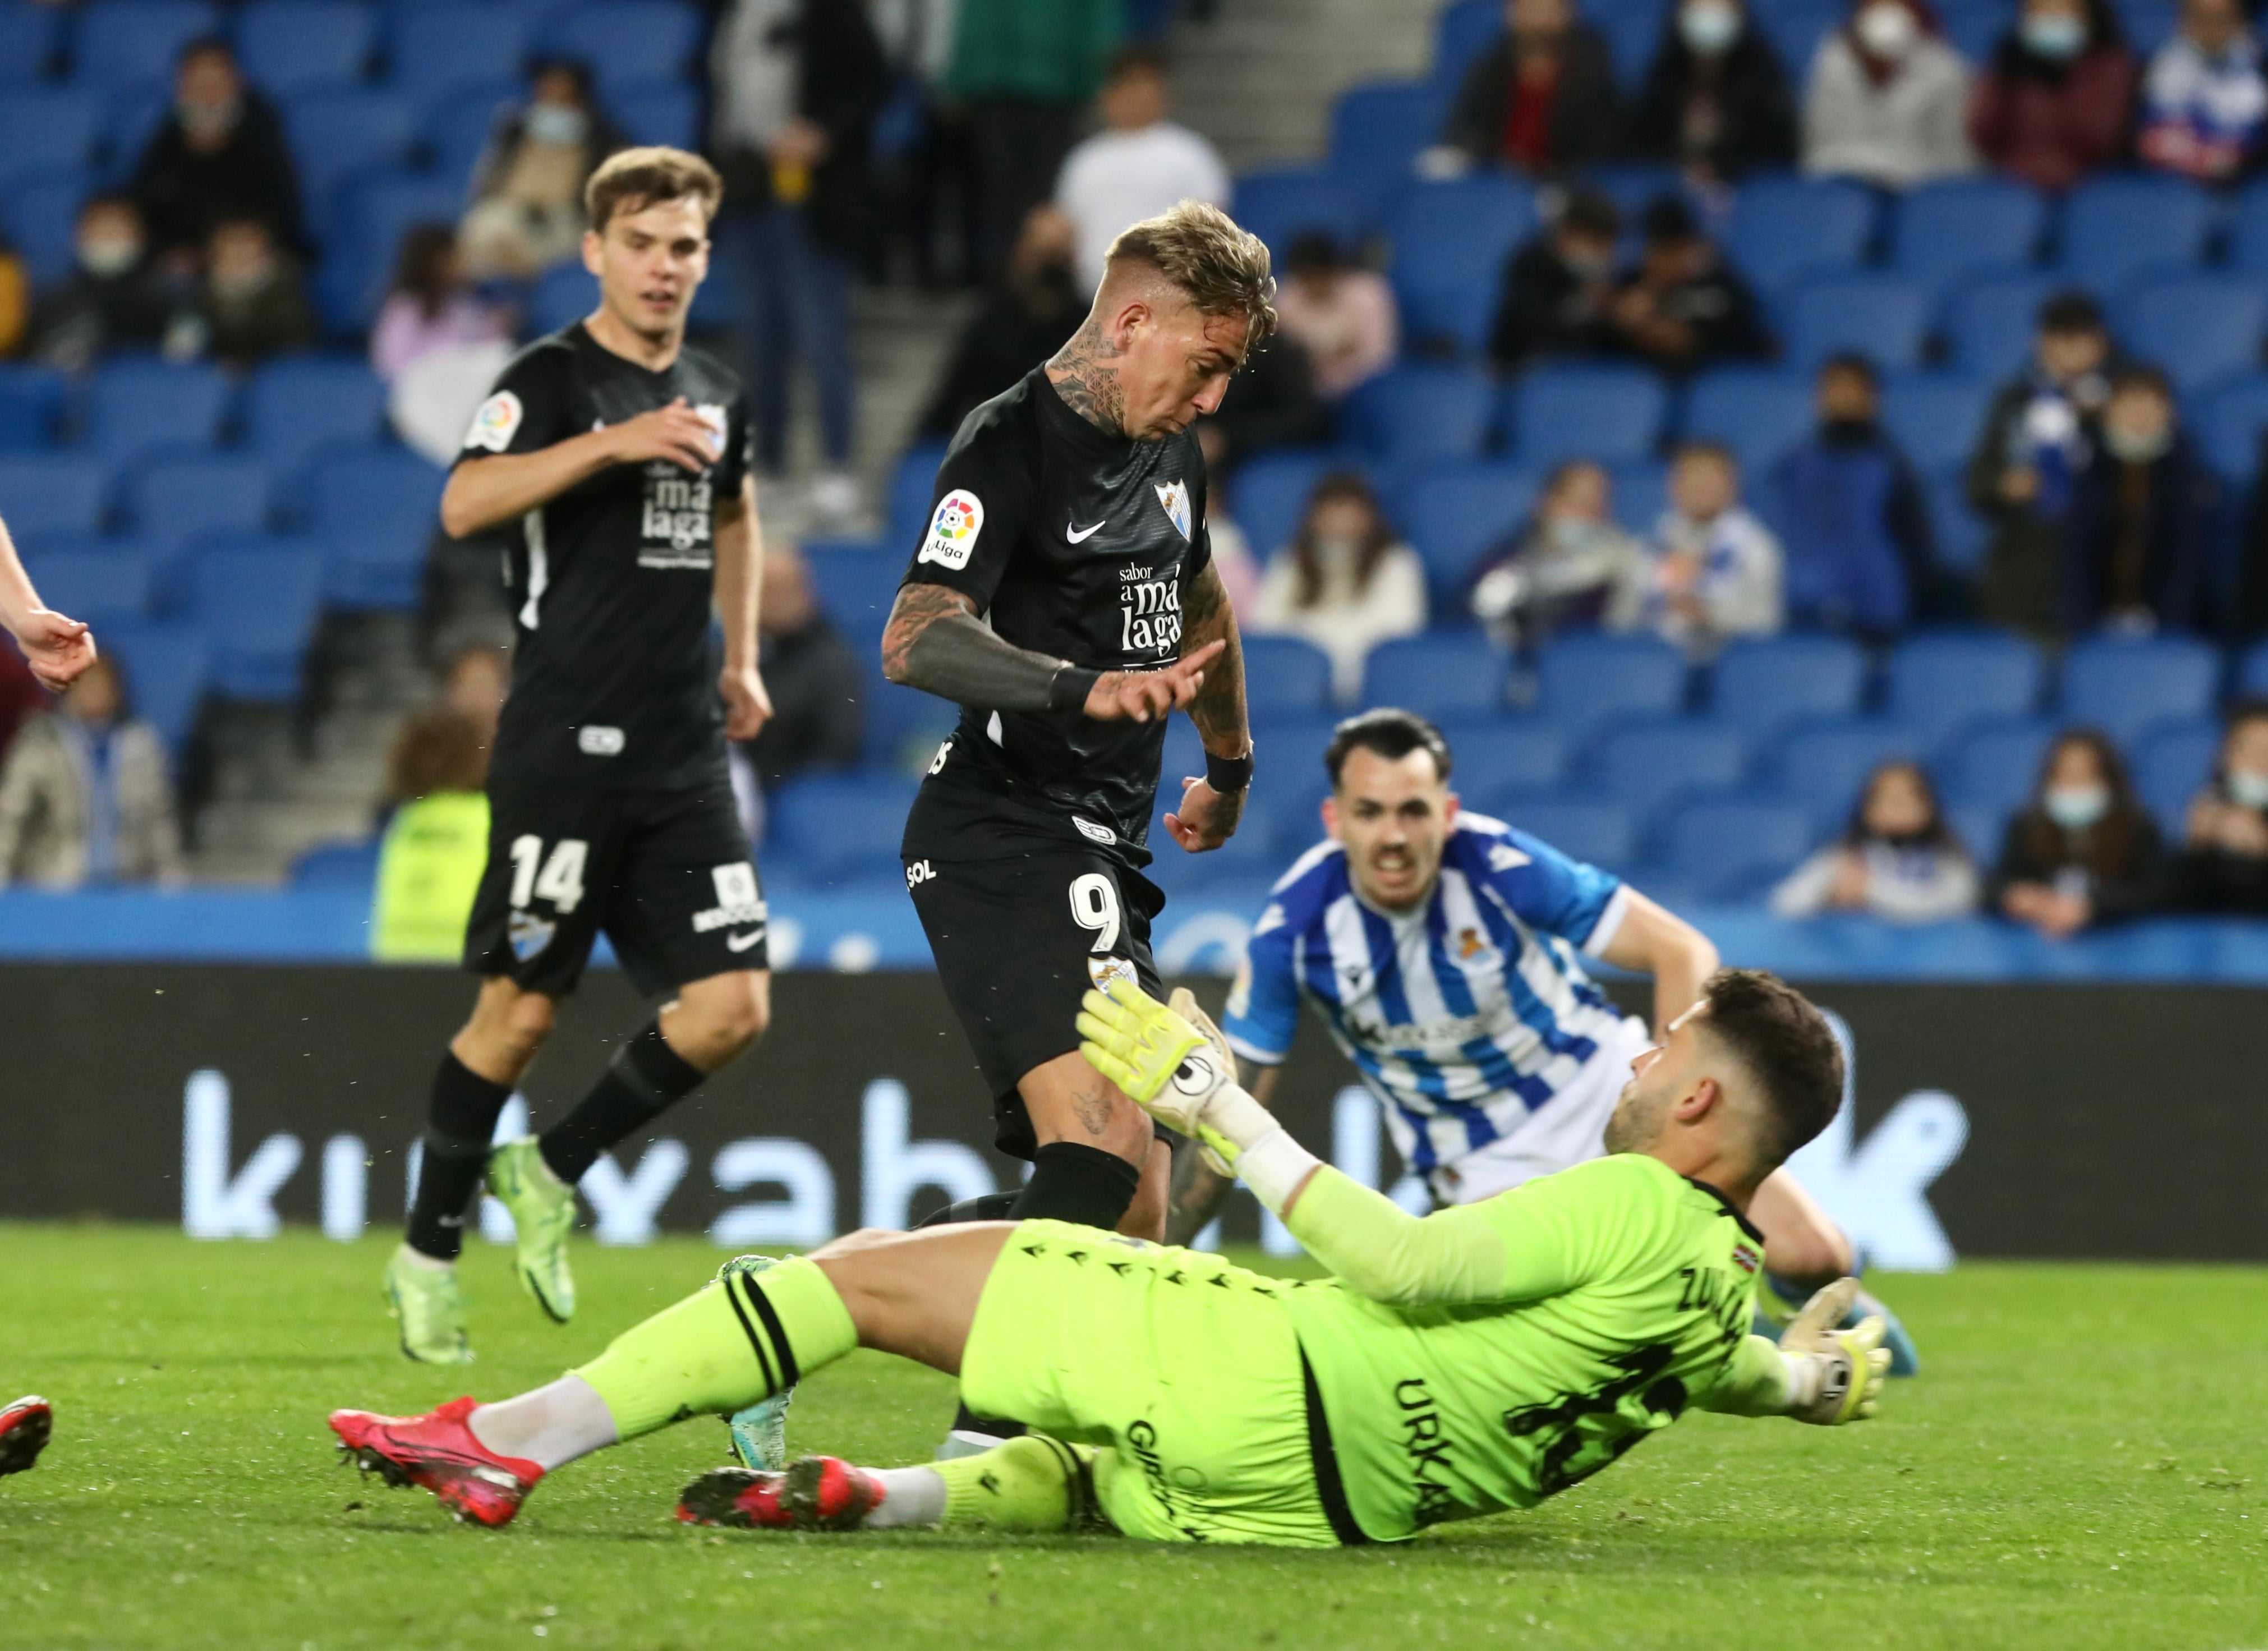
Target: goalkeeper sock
[
  {"x": 745, "y": 1338},
  {"x": 1035, "y": 1483},
  {"x": 644, "y": 1080},
  {"x": 461, "y": 1121},
  {"x": 1075, "y": 1183}
]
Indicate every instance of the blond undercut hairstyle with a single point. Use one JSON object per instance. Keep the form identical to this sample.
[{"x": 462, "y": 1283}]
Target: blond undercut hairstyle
[
  {"x": 1201, "y": 250},
  {"x": 632, "y": 179}
]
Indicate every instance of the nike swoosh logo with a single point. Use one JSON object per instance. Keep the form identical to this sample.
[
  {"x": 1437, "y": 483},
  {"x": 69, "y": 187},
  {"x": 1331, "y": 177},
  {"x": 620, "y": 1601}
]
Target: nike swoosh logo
[
  {"x": 742, "y": 942},
  {"x": 1081, "y": 535}
]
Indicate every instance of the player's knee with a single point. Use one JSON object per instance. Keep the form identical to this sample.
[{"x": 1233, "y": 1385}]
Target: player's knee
[
  {"x": 513, "y": 1022},
  {"x": 726, "y": 1016}
]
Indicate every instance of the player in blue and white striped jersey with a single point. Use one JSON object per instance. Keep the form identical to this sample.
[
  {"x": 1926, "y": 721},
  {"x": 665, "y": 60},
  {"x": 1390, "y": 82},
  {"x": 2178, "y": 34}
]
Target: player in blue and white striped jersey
[{"x": 1444, "y": 952}]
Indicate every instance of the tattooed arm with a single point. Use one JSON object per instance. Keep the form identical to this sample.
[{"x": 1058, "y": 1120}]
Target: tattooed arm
[{"x": 1208, "y": 818}]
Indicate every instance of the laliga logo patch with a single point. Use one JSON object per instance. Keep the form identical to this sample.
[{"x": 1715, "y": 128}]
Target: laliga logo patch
[
  {"x": 497, "y": 423},
  {"x": 530, "y": 934},
  {"x": 1198, "y": 1074},
  {"x": 1174, "y": 495},
  {"x": 952, "y": 531},
  {"x": 1103, "y": 970}
]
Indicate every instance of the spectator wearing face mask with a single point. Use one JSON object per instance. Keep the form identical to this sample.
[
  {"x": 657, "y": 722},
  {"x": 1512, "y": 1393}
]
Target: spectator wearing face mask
[
  {"x": 1558, "y": 288},
  {"x": 1344, "y": 583},
  {"x": 2056, "y": 100},
  {"x": 1570, "y": 567},
  {"x": 1888, "y": 102},
  {"x": 1716, "y": 100},
  {"x": 1717, "y": 572},
  {"x": 1897, "y": 859},
  {"x": 1036, "y": 307},
  {"x": 527, "y": 186},
  {"x": 1684, "y": 308},
  {"x": 2039, "y": 435},
  {"x": 252, "y": 306},
  {"x": 219, "y": 156},
  {"x": 113, "y": 298},
  {"x": 2140, "y": 536},
  {"x": 2084, "y": 851},
  {"x": 2204, "y": 98},
  {"x": 1341, "y": 314},
  {"x": 84, "y": 797},
  {"x": 1541, "y": 100},
  {"x": 2224, "y": 861}
]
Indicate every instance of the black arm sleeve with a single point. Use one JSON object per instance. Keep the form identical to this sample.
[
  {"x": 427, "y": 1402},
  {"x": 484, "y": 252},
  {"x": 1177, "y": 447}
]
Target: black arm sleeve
[{"x": 957, "y": 657}]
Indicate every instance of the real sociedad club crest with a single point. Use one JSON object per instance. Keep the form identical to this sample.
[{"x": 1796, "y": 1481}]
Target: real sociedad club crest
[{"x": 1174, "y": 495}]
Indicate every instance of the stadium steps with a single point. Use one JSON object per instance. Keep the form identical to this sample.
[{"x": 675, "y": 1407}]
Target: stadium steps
[{"x": 1260, "y": 78}]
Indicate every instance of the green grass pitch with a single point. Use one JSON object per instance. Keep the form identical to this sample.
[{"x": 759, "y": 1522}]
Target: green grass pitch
[{"x": 2082, "y": 1465}]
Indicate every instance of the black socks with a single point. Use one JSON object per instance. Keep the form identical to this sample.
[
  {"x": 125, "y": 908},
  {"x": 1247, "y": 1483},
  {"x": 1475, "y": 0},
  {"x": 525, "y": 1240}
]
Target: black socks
[
  {"x": 462, "y": 1122},
  {"x": 1072, "y": 1182},
  {"x": 646, "y": 1078}
]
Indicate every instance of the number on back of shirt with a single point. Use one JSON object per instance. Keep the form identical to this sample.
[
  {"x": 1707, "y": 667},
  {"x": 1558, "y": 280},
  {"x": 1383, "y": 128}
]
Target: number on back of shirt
[
  {"x": 1094, "y": 908},
  {"x": 558, "y": 880}
]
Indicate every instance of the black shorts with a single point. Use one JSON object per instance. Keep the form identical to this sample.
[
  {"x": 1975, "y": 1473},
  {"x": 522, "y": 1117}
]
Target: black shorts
[
  {"x": 1018, "y": 942},
  {"x": 668, "y": 875}
]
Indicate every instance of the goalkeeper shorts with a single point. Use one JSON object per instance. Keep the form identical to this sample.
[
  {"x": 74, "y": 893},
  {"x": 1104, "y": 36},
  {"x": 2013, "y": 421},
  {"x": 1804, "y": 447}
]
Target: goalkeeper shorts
[{"x": 1180, "y": 1368}]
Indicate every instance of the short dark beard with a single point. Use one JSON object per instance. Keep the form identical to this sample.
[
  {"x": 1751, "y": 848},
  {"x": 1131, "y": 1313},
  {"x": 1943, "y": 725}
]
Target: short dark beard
[{"x": 1083, "y": 375}]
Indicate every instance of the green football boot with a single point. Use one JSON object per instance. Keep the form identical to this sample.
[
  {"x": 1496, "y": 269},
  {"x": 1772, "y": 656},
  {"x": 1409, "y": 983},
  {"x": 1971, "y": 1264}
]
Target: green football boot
[
  {"x": 543, "y": 1214},
  {"x": 759, "y": 1431},
  {"x": 431, "y": 1308}
]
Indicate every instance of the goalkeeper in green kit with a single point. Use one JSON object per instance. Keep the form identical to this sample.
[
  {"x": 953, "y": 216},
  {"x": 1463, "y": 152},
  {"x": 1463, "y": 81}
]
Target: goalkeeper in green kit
[{"x": 1477, "y": 1360}]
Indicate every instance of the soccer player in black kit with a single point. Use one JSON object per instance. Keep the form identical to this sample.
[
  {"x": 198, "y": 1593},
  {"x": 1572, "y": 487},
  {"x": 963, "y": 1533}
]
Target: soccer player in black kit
[
  {"x": 1063, "y": 595},
  {"x": 619, "y": 459}
]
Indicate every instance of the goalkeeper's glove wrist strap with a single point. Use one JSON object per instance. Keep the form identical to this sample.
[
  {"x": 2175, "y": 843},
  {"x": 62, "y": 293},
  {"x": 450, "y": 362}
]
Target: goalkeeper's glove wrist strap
[{"x": 1274, "y": 1167}]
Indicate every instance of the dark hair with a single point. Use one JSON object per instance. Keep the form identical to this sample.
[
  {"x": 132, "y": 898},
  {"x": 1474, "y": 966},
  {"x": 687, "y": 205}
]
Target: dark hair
[
  {"x": 1591, "y": 212},
  {"x": 1934, "y": 834},
  {"x": 1315, "y": 250},
  {"x": 2072, "y": 312},
  {"x": 632, "y": 179},
  {"x": 574, "y": 68},
  {"x": 438, "y": 750},
  {"x": 108, "y": 201},
  {"x": 1779, "y": 1036},
  {"x": 1703, "y": 447},
  {"x": 1668, "y": 220},
  {"x": 205, "y": 46},
  {"x": 2014, "y": 60},
  {"x": 1850, "y": 362},
  {"x": 421, "y": 266},
  {"x": 1337, "y": 486},
  {"x": 2141, "y": 375},
  {"x": 1392, "y": 734},
  {"x": 1135, "y": 57},
  {"x": 2112, "y": 847}
]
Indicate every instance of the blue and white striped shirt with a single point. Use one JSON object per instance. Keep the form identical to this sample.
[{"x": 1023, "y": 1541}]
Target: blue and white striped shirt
[{"x": 1465, "y": 1015}]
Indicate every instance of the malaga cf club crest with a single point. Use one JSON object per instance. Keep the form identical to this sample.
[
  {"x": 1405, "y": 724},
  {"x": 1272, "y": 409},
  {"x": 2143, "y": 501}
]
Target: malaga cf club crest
[
  {"x": 1174, "y": 495},
  {"x": 952, "y": 531}
]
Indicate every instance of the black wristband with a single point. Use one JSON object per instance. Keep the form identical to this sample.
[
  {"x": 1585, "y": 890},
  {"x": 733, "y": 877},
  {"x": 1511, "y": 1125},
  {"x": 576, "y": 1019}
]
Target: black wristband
[
  {"x": 1226, "y": 774},
  {"x": 1068, "y": 688}
]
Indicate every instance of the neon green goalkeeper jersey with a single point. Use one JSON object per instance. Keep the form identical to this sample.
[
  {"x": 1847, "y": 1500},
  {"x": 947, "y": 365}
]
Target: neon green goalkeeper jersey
[{"x": 1625, "y": 1296}]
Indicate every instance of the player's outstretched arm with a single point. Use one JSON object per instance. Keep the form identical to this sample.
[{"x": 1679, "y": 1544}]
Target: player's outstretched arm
[
  {"x": 485, "y": 493},
  {"x": 1211, "y": 806},
  {"x": 1655, "y": 940},
  {"x": 57, "y": 649},
  {"x": 1819, "y": 1372}
]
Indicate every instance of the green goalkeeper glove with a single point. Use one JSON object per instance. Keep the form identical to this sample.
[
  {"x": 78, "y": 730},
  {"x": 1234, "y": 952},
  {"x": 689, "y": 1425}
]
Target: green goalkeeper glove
[
  {"x": 1175, "y": 1066},
  {"x": 1834, "y": 1375}
]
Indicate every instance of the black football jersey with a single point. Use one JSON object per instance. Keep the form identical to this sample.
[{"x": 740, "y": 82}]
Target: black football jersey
[
  {"x": 614, "y": 676},
  {"x": 1072, "y": 543}
]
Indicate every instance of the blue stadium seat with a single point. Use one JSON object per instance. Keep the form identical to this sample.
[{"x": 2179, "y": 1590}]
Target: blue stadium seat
[
  {"x": 1784, "y": 228},
  {"x": 2123, "y": 687},
  {"x": 1435, "y": 675},
  {"x": 1462, "y": 31},
  {"x": 1378, "y": 129},
  {"x": 830, "y": 827},
  {"x": 1450, "y": 243},
  {"x": 371, "y": 215},
  {"x": 1640, "y": 493},
  {"x": 1795, "y": 29},
  {"x": 28, "y": 38},
  {"x": 459, "y": 122},
  {"x": 1734, "y": 848},
  {"x": 1882, "y": 318},
  {"x": 388, "y": 491},
  {"x": 1634, "y": 185},
  {"x": 40, "y": 215},
  {"x": 1993, "y": 766},
  {"x": 1935, "y": 417},
  {"x": 49, "y": 129},
  {"x": 256, "y": 600},
  {"x": 1280, "y": 205},
  {"x": 2149, "y": 23},
  {"x": 31, "y": 405},
  {"x": 1822, "y": 765},
  {"x": 338, "y": 132},
  {"x": 1940, "y": 682},
  {"x": 2171, "y": 766},
  {"x": 1421, "y": 412},
  {"x": 2252, "y": 672},
  {"x": 1965, "y": 226},
  {"x": 337, "y": 865},
  {"x": 2247, "y": 229},
  {"x": 1758, "y": 412},
  {"x": 1761, "y": 684},
  {"x": 855, "y": 583},
  {"x": 1603, "y": 834},
  {"x": 50, "y": 493},
  {"x": 1634, "y": 35},
  {"x": 1990, "y": 324},
  {"x": 1268, "y": 496},
  {"x": 445, "y": 47},
  {"x": 373, "y": 569},
  {"x": 1645, "y": 764},
  {"x": 2116, "y": 228},
  {"x": 2228, "y": 424},
  {"x": 296, "y": 405},
  {"x": 666, "y": 114},
  {"x": 1592, "y": 412},
  {"x": 2198, "y": 327},
  {"x": 904, "y": 726},
  {"x": 1454, "y": 513},
  {"x": 288, "y": 45},
  {"x": 1962, "y": 534},
  {"x": 562, "y": 295},
  {"x": 913, "y": 487},
  {"x": 121, "y": 43},
  {"x": 1284, "y": 675},
  {"x": 99, "y": 583},
  {"x": 626, "y": 42},
  {"x": 165, "y": 666},
  {"x": 1586, "y": 681},
  {"x": 1492, "y": 753},
  {"x": 134, "y": 407},
  {"x": 128, "y": 122},
  {"x": 176, "y": 501}
]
